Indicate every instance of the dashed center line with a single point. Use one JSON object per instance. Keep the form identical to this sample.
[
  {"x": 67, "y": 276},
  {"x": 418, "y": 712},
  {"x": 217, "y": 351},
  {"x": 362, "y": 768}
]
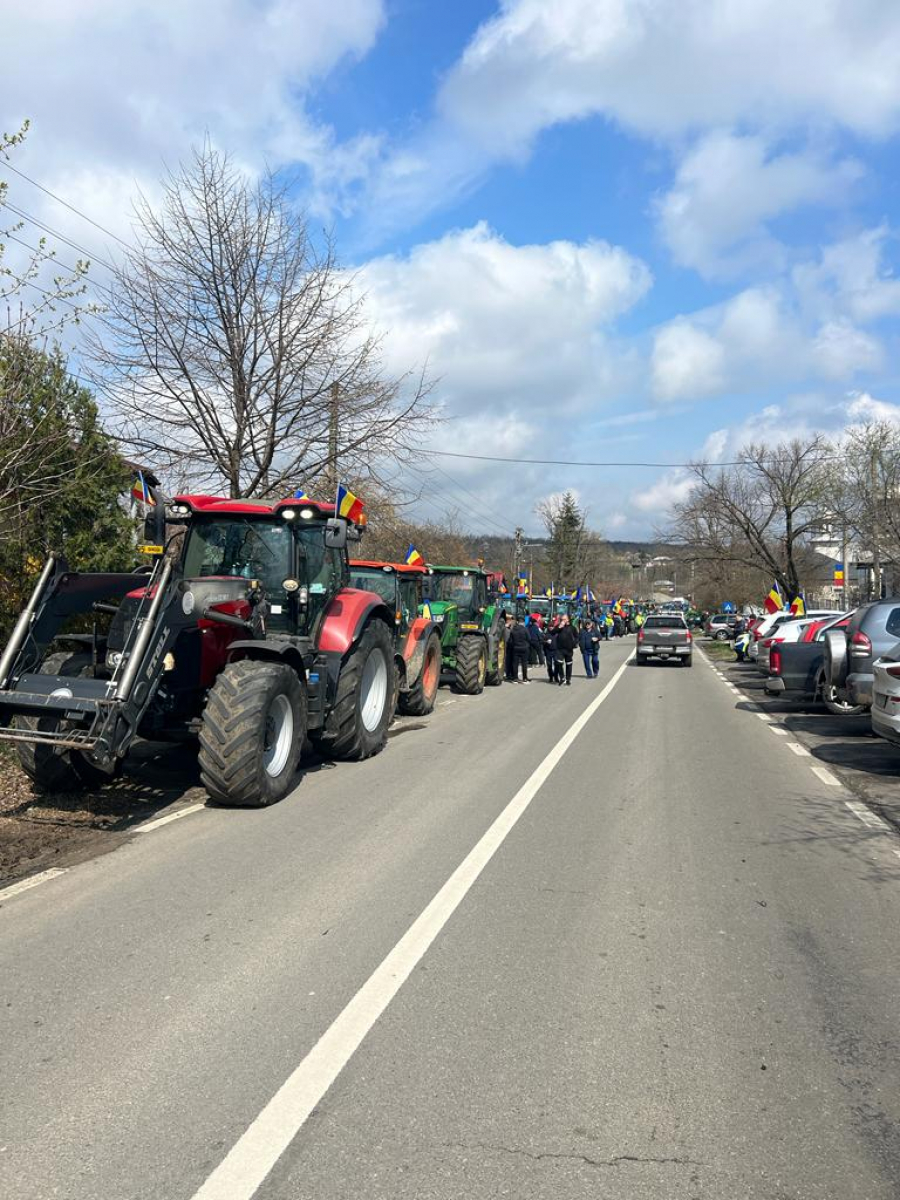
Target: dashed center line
[
  {"x": 799, "y": 750},
  {"x": 867, "y": 817}
]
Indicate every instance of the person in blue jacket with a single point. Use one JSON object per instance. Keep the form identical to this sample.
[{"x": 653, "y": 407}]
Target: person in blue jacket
[{"x": 589, "y": 644}]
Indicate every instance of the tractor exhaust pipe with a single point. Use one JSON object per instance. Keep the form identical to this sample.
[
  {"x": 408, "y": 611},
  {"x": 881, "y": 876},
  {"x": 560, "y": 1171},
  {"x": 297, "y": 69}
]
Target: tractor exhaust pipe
[
  {"x": 14, "y": 645},
  {"x": 126, "y": 683}
]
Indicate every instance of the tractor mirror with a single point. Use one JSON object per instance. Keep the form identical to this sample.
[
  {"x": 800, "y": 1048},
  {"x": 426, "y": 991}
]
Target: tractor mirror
[
  {"x": 155, "y": 525},
  {"x": 335, "y": 534}
]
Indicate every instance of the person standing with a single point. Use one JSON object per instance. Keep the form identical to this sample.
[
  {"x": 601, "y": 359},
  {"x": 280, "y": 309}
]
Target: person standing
[
  {"x": 566, "y": 641},
  {"x": 536, "y": 640},
  {"x": 589, "y": 644},
  {"x": 608, "y": 624},
  {"x": 510, "y": 657},
  {"x": 550, "y": 650},
  {"x": 519, "y": 643}
]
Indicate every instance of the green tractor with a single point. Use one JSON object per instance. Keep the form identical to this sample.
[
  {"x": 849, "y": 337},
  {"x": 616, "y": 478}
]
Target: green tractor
[{"x": 473, "y": 648}]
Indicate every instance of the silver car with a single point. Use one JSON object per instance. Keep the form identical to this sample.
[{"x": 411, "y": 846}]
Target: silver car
[{"x": 886, "y": 696}]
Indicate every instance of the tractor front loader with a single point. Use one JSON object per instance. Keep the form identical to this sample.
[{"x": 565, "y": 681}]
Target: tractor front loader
[{"x": 251, "y": 642}]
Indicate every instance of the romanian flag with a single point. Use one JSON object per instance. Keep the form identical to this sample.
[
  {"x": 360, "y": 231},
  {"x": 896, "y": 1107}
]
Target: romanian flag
[
  {"x": 300, "y": 494},
  {"x": 774, "y": 602},
  {"x": 839, "y": 575},
  {"x": 413, "y": 557},
  {"x": 347, "y": 505},
  {"x": 617, "y": 607},
  {"x": 141, "y": 492},
  {"x": 798, "y": 606}
]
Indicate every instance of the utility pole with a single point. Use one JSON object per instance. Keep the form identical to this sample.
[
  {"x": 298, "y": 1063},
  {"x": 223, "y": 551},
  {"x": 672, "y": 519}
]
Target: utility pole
[
  {"x": 517, "y": 551},
  {"x": 876, "y": 551}
]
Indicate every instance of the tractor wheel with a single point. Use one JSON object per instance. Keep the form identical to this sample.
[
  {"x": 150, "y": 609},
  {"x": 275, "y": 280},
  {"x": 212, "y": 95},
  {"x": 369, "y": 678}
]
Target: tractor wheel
[
  {"x": 471, "y": 664},
  {"x": 419, "y": 700},
  {"x": 254, "y": 725},
  {"x": 365, "y": 693},
  {"x": 49, "y": 768},
  {"x": 497, "y": 673}
]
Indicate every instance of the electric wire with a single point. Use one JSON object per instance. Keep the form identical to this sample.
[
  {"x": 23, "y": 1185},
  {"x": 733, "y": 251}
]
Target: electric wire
[
  {"x": 27, "y": 216},
  {"x": 65, "y": 203}
]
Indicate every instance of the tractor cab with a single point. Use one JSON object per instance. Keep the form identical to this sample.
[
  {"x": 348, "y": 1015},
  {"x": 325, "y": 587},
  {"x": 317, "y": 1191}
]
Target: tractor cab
[
  {"x": 462, "y": 589},
  {"x": 293, "y": 552},
  {"x": 398, "y": 584}
]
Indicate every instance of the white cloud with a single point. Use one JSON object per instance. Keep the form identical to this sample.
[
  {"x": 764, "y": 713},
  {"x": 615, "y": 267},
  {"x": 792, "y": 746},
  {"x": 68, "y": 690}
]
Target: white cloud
[
  {"x": 515, "y": 328},
  {"x": 851, "y": 279},
  {"x": 666, "y": 67},
  {"x": 687, "y": 363},
  {"x": 117, "y": 92},
  {"x": 761, "y": 337},
  {"x": 728, "y": 186}
]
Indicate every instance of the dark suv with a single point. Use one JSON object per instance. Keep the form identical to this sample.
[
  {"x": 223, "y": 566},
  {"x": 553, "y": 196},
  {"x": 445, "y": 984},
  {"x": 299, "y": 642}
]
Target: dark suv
[{"x": 849, "y": 653}]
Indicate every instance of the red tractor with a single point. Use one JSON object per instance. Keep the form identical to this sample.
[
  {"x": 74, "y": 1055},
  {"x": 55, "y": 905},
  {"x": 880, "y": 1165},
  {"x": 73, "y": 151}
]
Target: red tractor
[
  {"x": 417, "y": 638},
  {"x": 249, "y": 639}
]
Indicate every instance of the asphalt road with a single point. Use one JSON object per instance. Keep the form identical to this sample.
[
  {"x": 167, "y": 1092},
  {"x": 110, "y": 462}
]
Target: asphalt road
[{"x": 674, "y": 975}]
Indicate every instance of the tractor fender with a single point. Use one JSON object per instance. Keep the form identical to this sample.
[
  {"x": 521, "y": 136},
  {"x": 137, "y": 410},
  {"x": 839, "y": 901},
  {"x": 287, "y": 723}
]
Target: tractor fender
[
  {"x": 345, "y": 617},
  {"x": 414, "y": 648},
  {"x": 268, "y": 651}
]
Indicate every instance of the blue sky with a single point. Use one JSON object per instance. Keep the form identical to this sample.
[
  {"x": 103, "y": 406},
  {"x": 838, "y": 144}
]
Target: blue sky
[{"x": 615, "y": 229}]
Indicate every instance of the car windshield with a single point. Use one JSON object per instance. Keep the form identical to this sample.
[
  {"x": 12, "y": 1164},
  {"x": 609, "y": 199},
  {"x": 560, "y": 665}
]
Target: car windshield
[{"x": 374, "y": 580}]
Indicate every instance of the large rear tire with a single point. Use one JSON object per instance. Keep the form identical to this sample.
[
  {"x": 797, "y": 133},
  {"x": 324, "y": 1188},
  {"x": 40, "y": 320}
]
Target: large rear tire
[
  {"x": 51, "y": 769},
  {"x": 471, "y": 664},
  {"x": 497, "y": 673},
  {"x": 254, "y": 725},
  {"x": 419, "y": 700},
  {"x": 365, "y": 697},
  {"x": 832, "y": 702}
]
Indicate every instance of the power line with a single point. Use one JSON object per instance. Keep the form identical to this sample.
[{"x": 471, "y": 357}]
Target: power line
[
  {"x": 26, "y": 216},
  {"x": 47, "y": 255},
  {"x": 66, "y": 204},
  {"x": 563, "y": 462}
]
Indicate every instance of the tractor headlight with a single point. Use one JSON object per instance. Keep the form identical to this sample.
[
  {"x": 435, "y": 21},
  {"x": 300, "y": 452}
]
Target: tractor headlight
[
  {"x": 180, "y": 510},
  {"x": 288, "y": 514},
  {"x": 307, "y": 514}
]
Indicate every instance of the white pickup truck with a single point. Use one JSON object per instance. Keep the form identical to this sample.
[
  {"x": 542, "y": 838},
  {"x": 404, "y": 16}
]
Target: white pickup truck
[{"x": 664, "y": 635}]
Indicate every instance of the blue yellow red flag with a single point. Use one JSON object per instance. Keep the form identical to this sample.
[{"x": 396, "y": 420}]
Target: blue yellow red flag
[
  {"x": 413, "y": 557},
  {"x": 798, "y": 606},
  {"x": 300, "y": 494},
  {"x": 347, "y": 505},
  {"x": 140, "y": 491},
  {"x": 774, "y": 602}
]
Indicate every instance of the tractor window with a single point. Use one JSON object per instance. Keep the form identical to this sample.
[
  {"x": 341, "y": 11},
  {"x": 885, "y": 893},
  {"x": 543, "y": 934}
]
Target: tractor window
[
  {"x": 459, "y": 589},
  {"x": 409, "y": 602},
  {"x": 379, "y": 582},
  {"x": 238, "y": 546}
]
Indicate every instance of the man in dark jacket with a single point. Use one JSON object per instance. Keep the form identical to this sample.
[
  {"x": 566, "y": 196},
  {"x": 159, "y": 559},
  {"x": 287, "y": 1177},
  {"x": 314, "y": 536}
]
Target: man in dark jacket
[
  {"x": 519, "y": 643},
  {"x": 589, "y": 643},
  {"x": 536, "y": 641},
  {"x": 566, "y": 641}
]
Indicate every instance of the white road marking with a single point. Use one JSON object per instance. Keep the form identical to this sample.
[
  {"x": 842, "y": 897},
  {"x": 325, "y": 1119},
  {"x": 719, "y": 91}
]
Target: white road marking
[
  {"x": 764, "y": 716},
  {"x": 175, "y": 816},
  {"x": 826, "y": 776},
  {"x": 867, "y": 817},
  {"x": 779, "y": 732},
  {"x": 798, "y": 749},
  {"x": 32, "y": 881},
  {"x": 255, "y": 1153}
]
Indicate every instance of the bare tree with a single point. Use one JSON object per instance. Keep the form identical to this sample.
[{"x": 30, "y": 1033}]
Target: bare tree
[
  {"x": 760, "y": 513},
  {"x": 236, "y": 350}
]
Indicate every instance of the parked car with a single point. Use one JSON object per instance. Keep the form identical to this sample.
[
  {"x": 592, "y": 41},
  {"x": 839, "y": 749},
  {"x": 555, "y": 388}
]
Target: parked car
[
  {"x": 791, "y": 630},
  {"x": 797, "y": 669},
  {"x": 774, "y": 620},
  {"x": 886, "y": 690},
  {"x": 720, "y": 625},
  {"x": 664, "y": 635},
  {"x": 871, "y": 633}
]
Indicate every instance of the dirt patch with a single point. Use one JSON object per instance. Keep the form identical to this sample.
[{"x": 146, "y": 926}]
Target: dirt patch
[{"x": 38, "y": 831}]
